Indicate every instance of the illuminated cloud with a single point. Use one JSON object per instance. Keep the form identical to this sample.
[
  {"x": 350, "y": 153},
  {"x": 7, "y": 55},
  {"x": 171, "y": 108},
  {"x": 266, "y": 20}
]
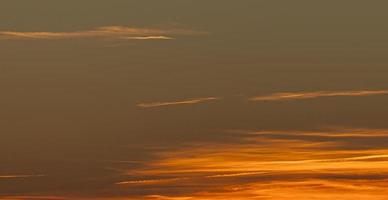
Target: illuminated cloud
[
  {"x": 42, "y": 197},
  {"x": 161, "y": 197},
  {"x": 311, "y": 95},
  {"x": 19, "y": 176},
  {"x": 181, "y": 102},
  {"x": 35, "y": 198},
  {"x": 115, "y": 32},
  {"x": 330, "y": 133},
  {"x": 274, "y": 165},
  {"x": 270, "y": 165},
  {"x": 149, "y": 38},
  {"x": 146, "y": 182},
  {"x": 49, "y": 197},
  {"x": 235, "y": 174}
]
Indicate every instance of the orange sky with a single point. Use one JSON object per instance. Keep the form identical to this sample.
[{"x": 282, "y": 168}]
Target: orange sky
[{"x": 193, "y": 100}]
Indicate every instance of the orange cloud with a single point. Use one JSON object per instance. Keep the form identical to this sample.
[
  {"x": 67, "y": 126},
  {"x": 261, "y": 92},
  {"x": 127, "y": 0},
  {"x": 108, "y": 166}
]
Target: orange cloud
[
  {"x": 171, "y": 103},
  {"x": 49, "y": 197},
  {"x": 263, "y": 190},
  {"x": 311, "y": 95},
  {"x": 146, "y": 182},
  {"x": 273, "y": 168},
  {"x": 19, "y": 176},
  {"x": 116, "y": 32},
  {"x": 35, "y": 198},
  {"x": 149, "y": 38},
  {"x": 330, "y": 133},
  {"x": 261, "y": 165}
]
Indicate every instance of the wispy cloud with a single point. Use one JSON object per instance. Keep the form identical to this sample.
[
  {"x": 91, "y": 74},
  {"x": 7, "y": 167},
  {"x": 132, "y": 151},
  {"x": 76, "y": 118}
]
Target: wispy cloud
[
  {"x": 20, "y": 176},
  {"x": 116, "y": 32},
  {"x": 329, "y": 133},
  {"x": 36, "y": 198},
  {"x": 149, "y": 38},
  {"x": 273, "y": 165},
  {"x": 319, "y": 164},
  {"x": 311, "y": 95},
  {"x": 150, "y": 181},
  {"x": 180, "y": 102},
  {"x": 69, "y": 197}
]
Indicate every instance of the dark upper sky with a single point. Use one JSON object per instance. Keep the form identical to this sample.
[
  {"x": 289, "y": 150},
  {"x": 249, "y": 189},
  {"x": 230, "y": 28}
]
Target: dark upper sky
[{"x": 156, "y": 99}]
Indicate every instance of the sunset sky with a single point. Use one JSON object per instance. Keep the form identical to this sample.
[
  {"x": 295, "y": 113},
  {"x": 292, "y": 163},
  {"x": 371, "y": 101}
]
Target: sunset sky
[{"x": 193, "y": 100}]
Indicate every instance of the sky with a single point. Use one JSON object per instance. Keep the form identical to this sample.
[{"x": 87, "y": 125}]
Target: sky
[{"x": 193, "y": 100}]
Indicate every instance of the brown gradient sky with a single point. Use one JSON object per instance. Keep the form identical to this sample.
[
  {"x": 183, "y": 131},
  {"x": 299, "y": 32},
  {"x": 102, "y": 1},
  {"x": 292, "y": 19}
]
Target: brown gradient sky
[{"x": 193, "y": 100}]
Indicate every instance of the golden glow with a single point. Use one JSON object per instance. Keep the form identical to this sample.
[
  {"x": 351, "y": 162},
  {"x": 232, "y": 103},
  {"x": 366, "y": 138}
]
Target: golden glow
[{"x": 263, "y": 167}]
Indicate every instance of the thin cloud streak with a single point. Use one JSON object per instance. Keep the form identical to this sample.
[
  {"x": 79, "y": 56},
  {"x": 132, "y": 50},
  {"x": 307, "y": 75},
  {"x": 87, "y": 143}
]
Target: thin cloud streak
[
  {"x": 49, "y": 197},
  {"x": 182, "y": 102},
  {"x": 36, "y": 198},
  {"x": 149, "y": 38},
  {"x": 20, "y": 176},
  {"x": 331, "y": 133},
  {"x": 146, "y": 182},
  {"x": 115, "y": 32},
  {"x": 311, "y": 95},
  {"x": 236, "y": 174}
]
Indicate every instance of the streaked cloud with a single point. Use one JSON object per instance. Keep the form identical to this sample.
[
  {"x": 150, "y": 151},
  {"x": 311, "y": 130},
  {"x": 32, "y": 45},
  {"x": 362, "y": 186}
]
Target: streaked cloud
[
  {"x": 20, "y": 176},
  {"x": 311, "y": 95},
  {"x": 180, "y": 102},
  {"x": 149, "y": 38},
  {"x": 115, "y": 32},
  {"x": 146, "y": 182},
  {"x": 51, "y": 197},
  {"x": 35, "y": 198},
  {"x": 161, "y": 197},
  {"x": 274, "y": 97},
  {"x": 235, "y": 174},
  {"x": 329, "y": 133},
  {"x": 260, "y": 164},
  {"x": 273, "y": 164}
]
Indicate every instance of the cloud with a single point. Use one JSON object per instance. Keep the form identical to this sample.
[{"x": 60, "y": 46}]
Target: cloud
[
  {"x": 181, "y": 102},
  {"x": 329, "y": 133},
  {"x": 146, "y": 182},
  {"x": 311, "y": 95},
  {"x": 149, "y": 38},
  {"x": 114, "y": 32},
  {"x": 264, "y": 190},
  {"x": 64, "y": 197},
  {"x": 20, "y": 176},
  {"x": 272, "y": 165},
  {"x": 235, "y": 174},
  {"x": 35, "y": 197},
  {"x": 260, "y": 165}
]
